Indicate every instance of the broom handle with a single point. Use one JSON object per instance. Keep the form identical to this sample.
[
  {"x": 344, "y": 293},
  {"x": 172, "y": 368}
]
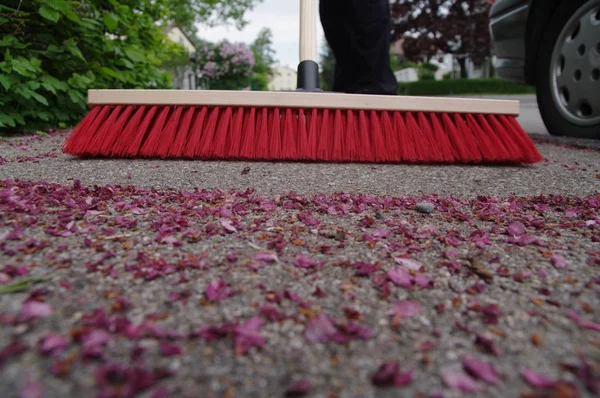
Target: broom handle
[
  {"x": 308, "y": 30},
  {"x": 308, "y": 69}
]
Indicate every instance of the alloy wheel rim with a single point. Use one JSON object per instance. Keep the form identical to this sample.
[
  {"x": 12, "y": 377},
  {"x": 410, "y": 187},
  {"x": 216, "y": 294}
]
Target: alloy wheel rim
[{"x": 575, "y": 67}]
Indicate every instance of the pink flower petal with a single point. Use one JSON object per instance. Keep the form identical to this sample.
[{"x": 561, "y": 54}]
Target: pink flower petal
[
  {"x": 480, "y": 369},
  {"x": 320, "y": 329},
  {"x": 52, "y": 344},
  {"x": 298, "y": 388},
  {"x": 515, "y": 229},
  {"x": 559, "y": 261},
  {"x": 537, "y": 379},
  {"x": 217, "y": 291},
  {"x": 35, "y": 309},
  {"x": 582, "y": 322},
  {"x": 266, "y": 257},
  {"x": 400, "y": 277},
  {"x": 228, "y": 225},
  {"x": 408, "y": 263},
  {"x": 169, "y": 349},
  {"x": 459, "y": 381},
  {"x": 423, "y": 281},
  {"x": 248, "y": 335},
  {"x": 406, "y": 309},
  {"x": 304, "y": 262},
  {"x": 389, "y": 374}
]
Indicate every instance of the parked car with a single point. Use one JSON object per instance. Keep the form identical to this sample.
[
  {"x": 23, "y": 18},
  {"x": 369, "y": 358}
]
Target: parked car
[{"x": 555, "y": 46}]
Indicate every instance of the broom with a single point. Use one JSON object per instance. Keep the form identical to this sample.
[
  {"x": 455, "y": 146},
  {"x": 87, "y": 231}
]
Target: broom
[{"x": 306, "y": 125}]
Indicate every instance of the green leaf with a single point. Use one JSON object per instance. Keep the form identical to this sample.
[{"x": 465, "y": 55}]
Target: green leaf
[
  {"x": 111, "y": 21},
  {"x": 7, "y": 120},
  {"x": 49, "y": 13},
  {"x": 8, "y": 41},
  {"x": 5, "y": 81},
  {"x": 41, "y": 133},
  {"x": 73, "y": 49},
  {"x": 58, "y": 5},
  {"x": 49, "y": 87},
  {"x": 76, "y": 97},
  {"x": 134, "y": 54},
  {"x": 21, "y": 285},
  {"x": 109, "y": 73},
  {"x": 39, "y": 98},
  {"x": 72, "y": 16}
]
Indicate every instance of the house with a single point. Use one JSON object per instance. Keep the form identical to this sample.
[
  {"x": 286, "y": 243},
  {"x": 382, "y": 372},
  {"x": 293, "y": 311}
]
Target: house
[
  {"x": 284, "y": 79},
  {"x": 184, "y": 77}
]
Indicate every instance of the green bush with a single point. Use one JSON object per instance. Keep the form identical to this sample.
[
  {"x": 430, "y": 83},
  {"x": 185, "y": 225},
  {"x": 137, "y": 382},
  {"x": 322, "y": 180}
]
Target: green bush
[
  {"x": 447, "y": 76},
  {"x": 463, "y": 86},
  {"x": 426, "y": 75},
  {"x": 53, "y": 51},
  {"x": 428, "y": 66}
]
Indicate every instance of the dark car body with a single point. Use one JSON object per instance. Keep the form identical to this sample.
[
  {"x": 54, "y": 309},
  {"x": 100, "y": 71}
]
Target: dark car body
[{"x": 516, "y": 27}]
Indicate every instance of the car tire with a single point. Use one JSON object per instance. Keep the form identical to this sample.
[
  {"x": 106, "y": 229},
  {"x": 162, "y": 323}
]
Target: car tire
[{"x": 558, "y": 119}]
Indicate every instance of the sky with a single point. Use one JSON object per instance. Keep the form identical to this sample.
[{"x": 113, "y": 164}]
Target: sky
[{"x": 281, "y": 16}]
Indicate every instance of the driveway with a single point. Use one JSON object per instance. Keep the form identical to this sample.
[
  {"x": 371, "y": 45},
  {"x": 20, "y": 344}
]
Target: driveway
[{"x": 249, "y": 279}]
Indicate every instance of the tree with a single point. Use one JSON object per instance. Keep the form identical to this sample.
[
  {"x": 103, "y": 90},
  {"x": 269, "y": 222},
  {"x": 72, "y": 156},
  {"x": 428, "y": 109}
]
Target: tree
[
  {"x": 225, "y": 66},
  {"x": 186, "y": 14},
  {"x": 327, "y": 67},
  {"x": 53, "y": 51},
  {"x": 264, "y": 58},
  {"x": 431, "y": 27}
]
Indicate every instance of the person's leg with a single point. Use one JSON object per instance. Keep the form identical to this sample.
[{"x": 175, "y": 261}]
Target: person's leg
[
  {"x": 359, "y": 33},
  {"x": 337, "y": 26},
  {"x": 372, "y": 24}
]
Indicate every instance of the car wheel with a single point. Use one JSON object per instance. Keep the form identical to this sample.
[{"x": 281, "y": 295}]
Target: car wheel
[{"x": 568, "y": 70}]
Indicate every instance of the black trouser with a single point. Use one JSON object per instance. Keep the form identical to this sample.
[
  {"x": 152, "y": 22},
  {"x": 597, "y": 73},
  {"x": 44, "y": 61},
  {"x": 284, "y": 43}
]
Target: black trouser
[{"x": 359, "y": 33}]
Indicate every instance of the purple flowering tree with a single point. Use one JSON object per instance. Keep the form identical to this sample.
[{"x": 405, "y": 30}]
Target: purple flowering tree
[{"x": 225, "y": 66}]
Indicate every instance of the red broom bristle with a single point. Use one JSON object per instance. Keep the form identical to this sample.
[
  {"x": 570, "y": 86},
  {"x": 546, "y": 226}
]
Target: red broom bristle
[
  {"x": 339, "y": 138},
  {"x": 138, "y": 133},
  {"x": 95, "y": 144},
  {"x": 274, "y": 135},
  {"x": 366, "y": 152},
  {"x": 377, "y": 139},
  {"x": 447, "y": 148},
  {"x": 514, "y": 152},
  {"x": 153, "y": 138},
  {"x": 324, "y": 139},
  {"x": 195, "y": 135},
  {"x": 469, "y": 138},
  {"x": 290, "y": 142},
  {"x": 501, "y": 149},
  {"x": 434, "y": 152},
  {"x": 418, "y": 145},
  {"x": 219, "y": 147},
  {"x": 405, "y": 150},
  {"x": 169, "y": 133},
  {"x": 313, "y": 134},
  {"x": 178, "y": 145},
  {"x": 236, "y": 134},
  {"x": 459, "y": 141},
  {"x": 261, "y": 151},
  {"x": 352, "y": 138},
  {"x": 532, "y": 155},
  {"x": 208, "y": 134},
  {"x": 248, "y": 136},
  {"x": 302, "y": 130},
  {"x": 391, "y": 137},
  {"x": 127, "y": 134},
  {"x": 115, "y": 133},
  {"x": 82, "y": 132},
  {"x": 488, "y": 151}
]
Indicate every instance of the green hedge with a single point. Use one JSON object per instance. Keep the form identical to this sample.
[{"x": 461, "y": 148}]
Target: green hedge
[{"x": 463, "y": 86}]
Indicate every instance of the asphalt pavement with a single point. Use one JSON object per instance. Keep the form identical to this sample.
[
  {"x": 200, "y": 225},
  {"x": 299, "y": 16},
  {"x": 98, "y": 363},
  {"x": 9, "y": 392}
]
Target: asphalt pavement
[{"x": 167, "y": 278}]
